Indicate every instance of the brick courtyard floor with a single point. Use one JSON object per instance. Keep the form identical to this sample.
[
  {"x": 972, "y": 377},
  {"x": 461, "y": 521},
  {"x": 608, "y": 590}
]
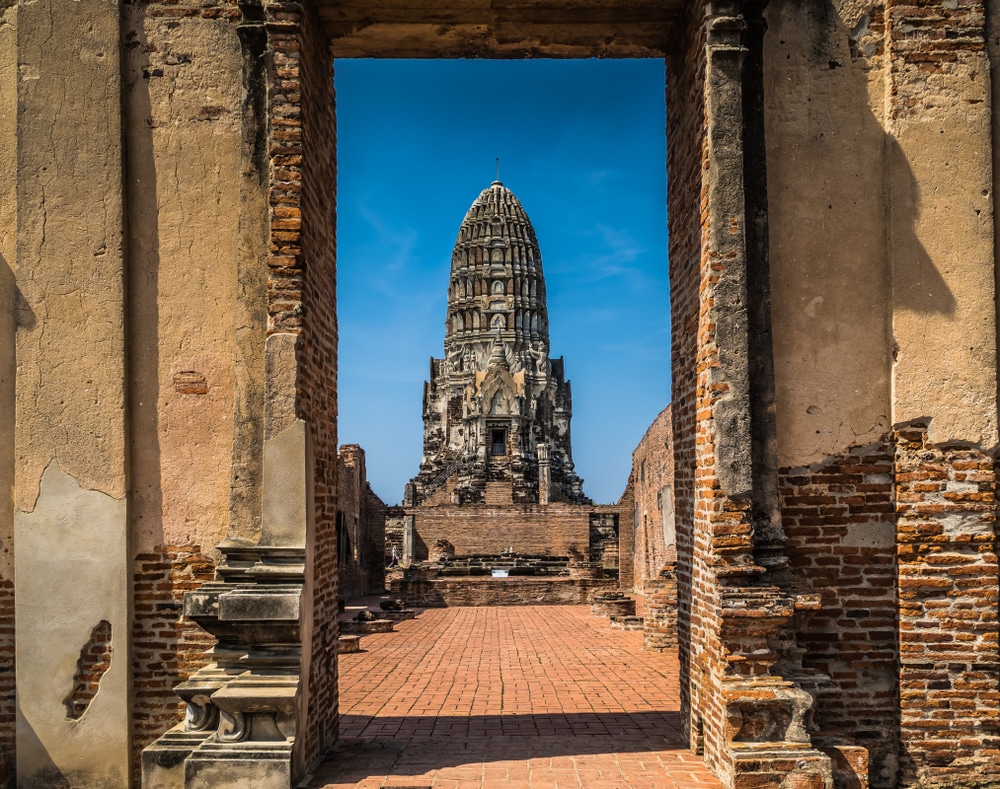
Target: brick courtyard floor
[{"x": 535, "y": 696}]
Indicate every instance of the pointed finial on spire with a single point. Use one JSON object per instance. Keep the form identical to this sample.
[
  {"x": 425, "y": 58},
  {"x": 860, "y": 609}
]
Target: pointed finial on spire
[{"x": 498, "y": 170}]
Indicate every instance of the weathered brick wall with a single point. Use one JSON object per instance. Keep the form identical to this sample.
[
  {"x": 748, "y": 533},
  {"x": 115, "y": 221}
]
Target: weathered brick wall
[
  {"x": 949, "y": 665},
  {"x": 363, "y": 514},
  {"x": 652, "y": 484},
  {"x": 558, "y": 529},
  {"x": 625, "y": 510},
  {"x": 686, "y": 217},
  {"x": 838, "y": 516},
  {"x": 166, "y": 648},
  {"x": 448, "y": 592},
  {"x": 302, "y": 296},
  {"x": 7, "y": 698}
]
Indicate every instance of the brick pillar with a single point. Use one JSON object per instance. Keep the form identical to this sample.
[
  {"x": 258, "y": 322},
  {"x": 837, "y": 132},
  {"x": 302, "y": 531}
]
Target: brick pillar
[
  {"x": 740, "y": 605},
  {"x": 944, "y": 387},
  {"x": 265, "y": 710},
  {"x": 544, "y": 473}
]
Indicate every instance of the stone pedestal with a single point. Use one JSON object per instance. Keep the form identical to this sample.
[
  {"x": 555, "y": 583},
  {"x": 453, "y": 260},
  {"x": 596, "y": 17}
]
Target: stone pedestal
[
  {"x": 612, "y": 604},
  {"x": 243, "y": 707},
  {"x": 367, "y": 627}
]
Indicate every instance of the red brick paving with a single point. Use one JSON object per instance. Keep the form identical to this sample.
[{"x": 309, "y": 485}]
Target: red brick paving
[{"x": 535, "y": 696}]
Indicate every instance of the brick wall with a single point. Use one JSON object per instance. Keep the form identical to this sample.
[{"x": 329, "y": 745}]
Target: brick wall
[
  {"x": 447, "y": 592},
  {"x": 652, "y": 481},
  {"x": 949, "y": 666},
  {"x": 301, "y": 297},
  {"x": 558, "y": 529},
  {"x": 841, "y": 537},
  {"x": 309, "y": 60},
  {"x": 166, "y": 649},
  {"x": 685, "y": 215},
  {"x": 7, "y": 700}
]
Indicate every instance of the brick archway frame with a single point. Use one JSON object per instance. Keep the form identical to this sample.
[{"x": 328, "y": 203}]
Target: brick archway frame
[{"x": 737, "y": 597}]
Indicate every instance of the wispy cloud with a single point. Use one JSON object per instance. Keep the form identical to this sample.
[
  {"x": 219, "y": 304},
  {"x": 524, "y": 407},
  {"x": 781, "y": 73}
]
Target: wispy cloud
[{"x": 619, "y": 253}]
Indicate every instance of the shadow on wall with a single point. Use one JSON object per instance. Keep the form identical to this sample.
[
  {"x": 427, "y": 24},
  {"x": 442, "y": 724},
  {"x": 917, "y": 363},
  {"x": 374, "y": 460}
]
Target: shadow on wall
[
  {"x": 923, "y": 290},
  {"x": 45, "y": 774},
  {"x": 143, "y": 319}
]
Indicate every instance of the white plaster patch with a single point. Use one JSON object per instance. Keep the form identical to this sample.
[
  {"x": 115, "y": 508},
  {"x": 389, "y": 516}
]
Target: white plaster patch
[
  {"x": 964, "y": 523},
  {"x": 870, "y": 535}
]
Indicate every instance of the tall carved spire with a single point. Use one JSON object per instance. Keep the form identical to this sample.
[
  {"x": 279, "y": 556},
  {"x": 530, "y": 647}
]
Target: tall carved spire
[
  {"x": 496, "y": 281},
  {"x": 496, "y": 397}
]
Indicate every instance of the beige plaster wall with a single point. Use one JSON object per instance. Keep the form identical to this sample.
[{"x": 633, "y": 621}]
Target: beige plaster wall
[
  {"x": 993, "y": 52},
  {"x": 183, "y": 134},
  {"x": 8, "y": 243},
  {"x": 831, "y": 290},
  {"x": 72, "y": 570},
  {"x": 880, "y": 198},
  {"x": 939, "y": 192}
]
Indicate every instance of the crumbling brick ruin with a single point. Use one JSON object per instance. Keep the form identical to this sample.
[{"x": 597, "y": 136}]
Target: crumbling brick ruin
[
  {"x": 168, "y": 442},
  {"x": 361, "y": 518}
]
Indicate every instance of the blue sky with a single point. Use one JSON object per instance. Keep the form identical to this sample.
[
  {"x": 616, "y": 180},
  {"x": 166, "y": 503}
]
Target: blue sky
[{"x": 581, "y": 143}]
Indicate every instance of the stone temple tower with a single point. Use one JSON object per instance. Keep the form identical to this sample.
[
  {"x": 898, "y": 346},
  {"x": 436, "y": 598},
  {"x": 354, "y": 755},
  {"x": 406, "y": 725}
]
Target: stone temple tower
[{"x": 497, "y": 408}]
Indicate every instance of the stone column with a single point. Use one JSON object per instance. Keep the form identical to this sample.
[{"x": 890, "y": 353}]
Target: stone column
[
  {"x": 71, "y": 563},
  {"x": 409, "y": 529},
  {"x": 544, "y": 473}
]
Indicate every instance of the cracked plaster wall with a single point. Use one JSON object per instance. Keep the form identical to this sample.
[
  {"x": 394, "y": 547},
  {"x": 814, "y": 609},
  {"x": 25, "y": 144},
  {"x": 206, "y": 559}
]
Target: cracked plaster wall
[
  {"x": 8, "y": 225},
  {"x": 71, "y": 566}
]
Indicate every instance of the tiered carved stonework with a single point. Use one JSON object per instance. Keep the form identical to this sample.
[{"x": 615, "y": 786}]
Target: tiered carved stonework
[
  {"x": 243, "y": 707},
  {"x": 497, "y": 405}
]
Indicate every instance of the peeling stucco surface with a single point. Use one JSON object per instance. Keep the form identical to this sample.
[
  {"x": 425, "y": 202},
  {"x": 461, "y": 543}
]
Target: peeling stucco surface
[
  {"x": 827, "y": 230},
  {"x": 850, "y": 226},
  {"x": 70, "y": 273},
  {"x": 72, "y": 569},
  {"x": 8, "y": 226}
]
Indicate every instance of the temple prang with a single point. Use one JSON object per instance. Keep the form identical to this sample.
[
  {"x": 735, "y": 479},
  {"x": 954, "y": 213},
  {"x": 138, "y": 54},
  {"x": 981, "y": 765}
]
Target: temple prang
[{"x": 497, "y": 408}]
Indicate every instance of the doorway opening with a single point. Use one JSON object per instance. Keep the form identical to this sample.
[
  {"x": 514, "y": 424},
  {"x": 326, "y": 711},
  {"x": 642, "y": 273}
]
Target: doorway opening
[{"x": 417, "y": 141}]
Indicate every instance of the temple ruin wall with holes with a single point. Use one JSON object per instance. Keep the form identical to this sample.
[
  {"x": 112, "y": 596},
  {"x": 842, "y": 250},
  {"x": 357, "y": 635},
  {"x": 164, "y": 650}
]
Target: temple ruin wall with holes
[{"x": 168, "y": 372}]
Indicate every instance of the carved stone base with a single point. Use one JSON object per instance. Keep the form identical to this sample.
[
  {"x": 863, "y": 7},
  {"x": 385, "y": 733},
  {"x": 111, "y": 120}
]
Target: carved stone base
[
  {"x": 223, "y": 766},
  {"x": 163, "y": 761}
]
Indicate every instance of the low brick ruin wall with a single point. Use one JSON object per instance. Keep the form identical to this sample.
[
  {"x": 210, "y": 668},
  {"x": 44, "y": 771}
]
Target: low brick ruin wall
[
  {"x": 449, "y": 592},
  {"x": 659, "y": 614},
  {"x": 558, "y": 529}
]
